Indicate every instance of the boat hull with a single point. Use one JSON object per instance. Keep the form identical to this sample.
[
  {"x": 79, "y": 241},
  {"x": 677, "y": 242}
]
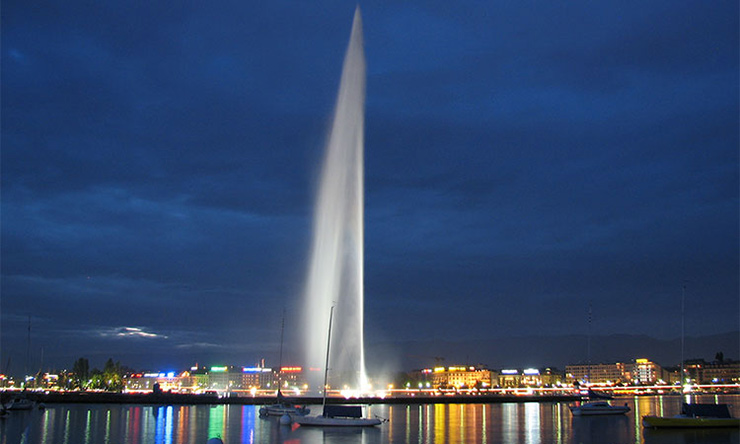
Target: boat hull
[
  {"x": 280, "y": 410},
  {"x": 322, "y": 421},
  {"x": 598, "y": 409},
  {"x": 599, "y": 412},
  {"x": 20, "y": 404},
  {"x": 686, "y": 422}
]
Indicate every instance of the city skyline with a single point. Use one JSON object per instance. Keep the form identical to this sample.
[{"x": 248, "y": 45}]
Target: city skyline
[
  {"x": 527, "y": 166},
  {"x": 493, "y": 354}
]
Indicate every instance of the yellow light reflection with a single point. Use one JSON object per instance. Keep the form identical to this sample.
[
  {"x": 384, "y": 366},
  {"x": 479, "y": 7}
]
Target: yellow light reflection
[
  {"x": 484, "y": 424},
  {"x": 440, "y": 422}
]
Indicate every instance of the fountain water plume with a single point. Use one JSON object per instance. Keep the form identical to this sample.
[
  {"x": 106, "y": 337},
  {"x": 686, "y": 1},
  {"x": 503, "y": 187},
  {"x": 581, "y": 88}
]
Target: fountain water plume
[{"x": 335, "y": 274}]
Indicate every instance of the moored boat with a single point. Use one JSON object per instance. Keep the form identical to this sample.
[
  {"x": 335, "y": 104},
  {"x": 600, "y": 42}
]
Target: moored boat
[
  {"x": 335, "y": 415},
  {"x": 339, "y": 416},
  {"x": 20, "y": 404},
  {"x": 598, "y": 408},
  {"x": 695, "y": 416},
  {"x": 283, "y": 408}
]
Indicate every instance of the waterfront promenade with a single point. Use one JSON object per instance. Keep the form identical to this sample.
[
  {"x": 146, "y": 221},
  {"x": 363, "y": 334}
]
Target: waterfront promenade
[
  {"x": 399, "y": 397},
  {"x": 185, "y": 399}
]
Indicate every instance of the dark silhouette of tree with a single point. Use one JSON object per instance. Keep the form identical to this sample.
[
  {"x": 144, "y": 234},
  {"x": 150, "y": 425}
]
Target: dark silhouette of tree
[
  {"x": 81, "y": 372},
  {"x": 113, "y": 376}
]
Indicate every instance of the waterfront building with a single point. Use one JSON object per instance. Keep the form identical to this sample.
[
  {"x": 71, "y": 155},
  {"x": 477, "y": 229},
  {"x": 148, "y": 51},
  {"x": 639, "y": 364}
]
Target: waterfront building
[
  {"x": 528, "y": 377},
  {"x": 293, "y": 378},
  {"x": 551, "y": 377},
  {"x": 717, "y": 372},
  {"x": 670, "y": 375},
  {"x": 509, "y": 378},
  {"x": 646, "y": 372},
  {"x": 214, "y": 378},
  {"x": 256, "y": 378},
  {"x": 602, "y": 373},
  {"x": 455, "y": 377},
  {"x": 145, "y": 382}
]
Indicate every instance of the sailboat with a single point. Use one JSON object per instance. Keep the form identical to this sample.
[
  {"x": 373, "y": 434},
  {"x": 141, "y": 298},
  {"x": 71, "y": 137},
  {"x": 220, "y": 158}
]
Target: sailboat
[
  {"x": 692, "y": 415},
  {"x": 282, "y": 406},
  {"x": 598, "y": 407},
  {"x": 336, "y": 415},
  {"x": 695, "y": 416}
]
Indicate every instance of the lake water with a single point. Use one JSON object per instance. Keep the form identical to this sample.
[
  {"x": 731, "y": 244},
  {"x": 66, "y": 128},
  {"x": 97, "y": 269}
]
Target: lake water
[{"x": 519, "y": 423}]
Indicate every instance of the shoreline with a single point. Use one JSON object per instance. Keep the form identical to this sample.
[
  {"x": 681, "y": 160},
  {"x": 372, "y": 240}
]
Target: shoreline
[{"x": 196, "y": 399}]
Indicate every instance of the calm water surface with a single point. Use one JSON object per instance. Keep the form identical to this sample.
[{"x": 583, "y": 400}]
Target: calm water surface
[{"x": 525, "y": 423}]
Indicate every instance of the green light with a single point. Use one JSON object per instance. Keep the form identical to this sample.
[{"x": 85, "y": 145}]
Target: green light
[{"x": 219, "y": 369}]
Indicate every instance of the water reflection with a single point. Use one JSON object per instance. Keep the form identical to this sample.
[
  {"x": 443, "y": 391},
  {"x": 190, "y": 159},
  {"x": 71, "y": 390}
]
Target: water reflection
[
  {"x": 528, "y": 423},
  {"x": 532, "y": 423},
  {"x": 679, "y": 436},
  {"x": 216, "y": 422}
]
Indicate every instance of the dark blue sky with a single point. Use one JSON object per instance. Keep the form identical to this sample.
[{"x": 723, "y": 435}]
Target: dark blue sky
[{"x": 523, "y": 160}]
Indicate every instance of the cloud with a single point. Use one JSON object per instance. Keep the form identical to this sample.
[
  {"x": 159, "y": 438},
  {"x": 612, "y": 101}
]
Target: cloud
[
  {"x": 201, "y": 346},
  {"x": 520, "y": 160},
  {"x": 129, "y": 333}
]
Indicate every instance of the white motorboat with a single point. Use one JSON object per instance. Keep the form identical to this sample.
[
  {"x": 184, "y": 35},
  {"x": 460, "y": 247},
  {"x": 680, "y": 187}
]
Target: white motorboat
[{"x": 598, "y": 408}]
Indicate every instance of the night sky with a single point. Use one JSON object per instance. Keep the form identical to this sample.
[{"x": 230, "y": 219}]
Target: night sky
[{"x": 524, "y": 161}]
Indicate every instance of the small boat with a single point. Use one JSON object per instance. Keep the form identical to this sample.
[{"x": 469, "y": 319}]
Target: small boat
[
  {"x": 339, "y": 416},
  {"x": 282, "y": 408},
  {"x": 598, "y": 408},
  {"x": 695, "y": 416},
  {"x": 20, "y": 404},
  {"x": 336, "y": 415}
]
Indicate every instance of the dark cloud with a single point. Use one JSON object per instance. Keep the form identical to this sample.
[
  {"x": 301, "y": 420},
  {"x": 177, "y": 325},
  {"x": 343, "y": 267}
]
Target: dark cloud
[{"x": 522, "y": 162}]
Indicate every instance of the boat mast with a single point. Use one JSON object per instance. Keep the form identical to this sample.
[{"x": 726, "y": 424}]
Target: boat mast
[
  {"x": 28, "y": 351},
  {"x": 683, "y": 321},
  {"x": 588, "y": 347},
  {"x": 326, "y": 366},
  {"x": 280, "y": 360},
  {"x": 282, "y": 331}
]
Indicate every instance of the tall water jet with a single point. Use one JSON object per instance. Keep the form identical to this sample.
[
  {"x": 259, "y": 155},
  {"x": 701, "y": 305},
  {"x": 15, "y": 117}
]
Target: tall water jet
[{"x": 335, "y": 273}]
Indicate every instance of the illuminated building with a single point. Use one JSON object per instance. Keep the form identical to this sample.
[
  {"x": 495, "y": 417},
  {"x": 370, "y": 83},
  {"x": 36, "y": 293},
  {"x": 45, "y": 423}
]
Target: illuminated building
[
  {"x": 214, "y": 378},
  {"x": 144, "y": 382},
  {"x": 528, "y": 377},
  {"x": 717, "y": 372},
  {"x": 612, "y": 373},
  {"x": 49, "y": 380},
  {"x": 293, "y": 377},
  {"x": 646, "y": 372},
  {"x": 457, "y": 377},
  {"x": 509, "y": 378},
  {"x": 256, "y": 377},
  {"x": 550, "y": 377}
]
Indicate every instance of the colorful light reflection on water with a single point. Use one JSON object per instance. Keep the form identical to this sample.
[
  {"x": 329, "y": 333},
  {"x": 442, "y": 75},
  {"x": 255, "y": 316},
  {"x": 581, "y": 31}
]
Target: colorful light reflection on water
[{"x": 524, "y": 423}]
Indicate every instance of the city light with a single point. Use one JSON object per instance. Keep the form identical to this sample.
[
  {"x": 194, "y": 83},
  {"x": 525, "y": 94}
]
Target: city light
[{"x": 256, "y": 370}]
